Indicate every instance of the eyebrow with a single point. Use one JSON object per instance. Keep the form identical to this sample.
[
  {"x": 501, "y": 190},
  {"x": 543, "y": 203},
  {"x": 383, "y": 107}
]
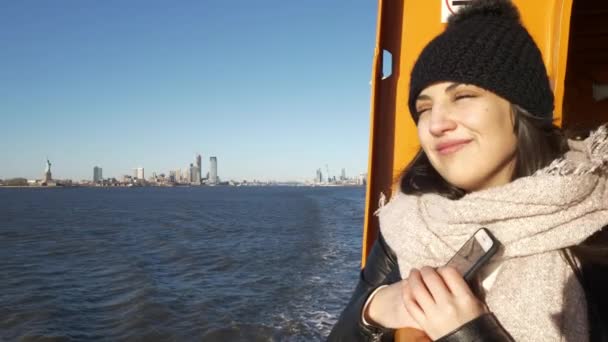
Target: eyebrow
[
  {"x": 448, "y": 89},
  {"x": 452, "y": 86}
]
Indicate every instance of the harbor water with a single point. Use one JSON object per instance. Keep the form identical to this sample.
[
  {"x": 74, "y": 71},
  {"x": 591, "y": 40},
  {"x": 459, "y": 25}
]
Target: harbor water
[{"x": 177, "y": 264}]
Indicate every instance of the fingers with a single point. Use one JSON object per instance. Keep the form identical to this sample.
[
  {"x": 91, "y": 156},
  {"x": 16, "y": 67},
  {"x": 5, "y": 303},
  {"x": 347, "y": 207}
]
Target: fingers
[
  {"x": 439, "y": 300},
  {"x": 454, "y": 282},
  {"x": 419, "y": 290},
  {"x": 427, "y": 287},
  {"x": 422, "y": 291},
  {"x": 410, "y": 303},
  {"x": 435, "y": 284}
]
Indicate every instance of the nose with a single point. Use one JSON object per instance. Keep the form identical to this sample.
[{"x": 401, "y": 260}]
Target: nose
[{"x": 440, "y": 122}]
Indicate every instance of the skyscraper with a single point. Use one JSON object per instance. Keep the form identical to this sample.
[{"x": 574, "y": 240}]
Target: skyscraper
[
  {"x": 343, "y": 175},
  {"x": 186, "y": 175},
  {"x": 194, "y": 175},
  {"x": 97, "y": 176},
  {"x": 199, "y": 165},
  {"x": 213, "y": 179}
]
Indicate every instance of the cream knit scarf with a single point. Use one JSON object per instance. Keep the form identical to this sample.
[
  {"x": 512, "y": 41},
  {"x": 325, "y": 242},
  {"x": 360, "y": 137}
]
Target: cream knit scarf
[{"x": 535, "y": 295}]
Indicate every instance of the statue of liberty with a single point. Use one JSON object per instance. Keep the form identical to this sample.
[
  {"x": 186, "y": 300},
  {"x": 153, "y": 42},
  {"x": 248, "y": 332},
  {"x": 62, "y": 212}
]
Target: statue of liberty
[{"x": 47, "y": 171}]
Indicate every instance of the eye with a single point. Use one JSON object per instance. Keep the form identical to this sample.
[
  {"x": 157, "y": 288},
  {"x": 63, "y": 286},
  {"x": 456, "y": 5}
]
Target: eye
[
  {"x": 423, "y": 106},
  {"x": 461, "y": 96},
  {"x": 420, "y": 111}
]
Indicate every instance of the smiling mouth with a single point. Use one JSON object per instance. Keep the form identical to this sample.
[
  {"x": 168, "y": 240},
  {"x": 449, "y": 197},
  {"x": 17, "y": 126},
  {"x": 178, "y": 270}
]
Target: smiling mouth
[{"x": 452, "y": 148}]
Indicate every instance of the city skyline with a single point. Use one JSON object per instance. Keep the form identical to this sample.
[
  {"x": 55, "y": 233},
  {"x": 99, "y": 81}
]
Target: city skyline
[
  {"x": 131, "y": 171},
  {"x": 275, "y": 89},
  {"x": 187, "y": 175}
]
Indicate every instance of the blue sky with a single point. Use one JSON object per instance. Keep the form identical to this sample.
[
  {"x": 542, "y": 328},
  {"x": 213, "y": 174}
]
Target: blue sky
[{"x": 274, "y": 89}]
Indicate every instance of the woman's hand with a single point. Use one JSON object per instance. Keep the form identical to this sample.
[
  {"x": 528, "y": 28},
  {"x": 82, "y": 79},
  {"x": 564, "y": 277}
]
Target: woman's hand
[
  {"x": 387, "y": 308},
  {"x": 440, "y": 300}
]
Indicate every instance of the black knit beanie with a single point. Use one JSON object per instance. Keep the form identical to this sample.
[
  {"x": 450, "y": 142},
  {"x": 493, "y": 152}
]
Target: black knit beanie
[{"x": 485, "y": 44}]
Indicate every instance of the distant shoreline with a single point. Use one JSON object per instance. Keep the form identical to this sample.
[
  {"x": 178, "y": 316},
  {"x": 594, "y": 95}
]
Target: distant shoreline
[
  {"x": 37, "y": 187},
  {"x": 180, "y": 186}
]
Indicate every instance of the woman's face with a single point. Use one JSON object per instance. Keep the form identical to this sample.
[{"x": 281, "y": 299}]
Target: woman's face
[{"x": 467, "y": 133}]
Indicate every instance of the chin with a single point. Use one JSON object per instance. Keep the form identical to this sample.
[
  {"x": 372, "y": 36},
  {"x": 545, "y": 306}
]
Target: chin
[
  {"x": 468, "y": 188},
  {"x": 464, "y": 181}
]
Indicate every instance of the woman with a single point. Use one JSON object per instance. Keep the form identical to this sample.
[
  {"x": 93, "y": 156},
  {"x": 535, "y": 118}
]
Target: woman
[{"x": 490, "y": 157}]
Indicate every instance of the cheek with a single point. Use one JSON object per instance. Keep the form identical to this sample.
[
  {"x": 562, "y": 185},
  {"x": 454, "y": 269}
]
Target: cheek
[
  {"x": 497, "y": 130},
  {"x": 424, "y": 137},
  {"x": 495, "y": 121},
  {"x": 506, "y": 144}
]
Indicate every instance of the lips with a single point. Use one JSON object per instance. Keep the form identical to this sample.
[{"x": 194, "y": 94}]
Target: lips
[{"x": 451, "y": 146}]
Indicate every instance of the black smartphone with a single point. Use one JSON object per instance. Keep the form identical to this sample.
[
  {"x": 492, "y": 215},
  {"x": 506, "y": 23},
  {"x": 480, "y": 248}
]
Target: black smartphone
[{"x": 474, "y": 253}]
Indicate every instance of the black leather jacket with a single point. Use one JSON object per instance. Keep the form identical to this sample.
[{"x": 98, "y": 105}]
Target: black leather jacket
[{"x": 381, "y": 268}]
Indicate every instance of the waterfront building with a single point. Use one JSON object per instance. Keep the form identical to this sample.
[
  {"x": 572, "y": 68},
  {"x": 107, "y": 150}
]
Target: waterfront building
[
  {"x": 199, "y": 166},
  {"x": 194, "y": 175},
  {"x": 97, "y": 175},
  {"x": 343, "y": 175},
  {"x": 138, "y": 173},
  {"x": 362, "y": 179},
  {"x": 186, "y": 175},
  {"x": 319, "y": 177},
  {"x": 213, "y": 178}
]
